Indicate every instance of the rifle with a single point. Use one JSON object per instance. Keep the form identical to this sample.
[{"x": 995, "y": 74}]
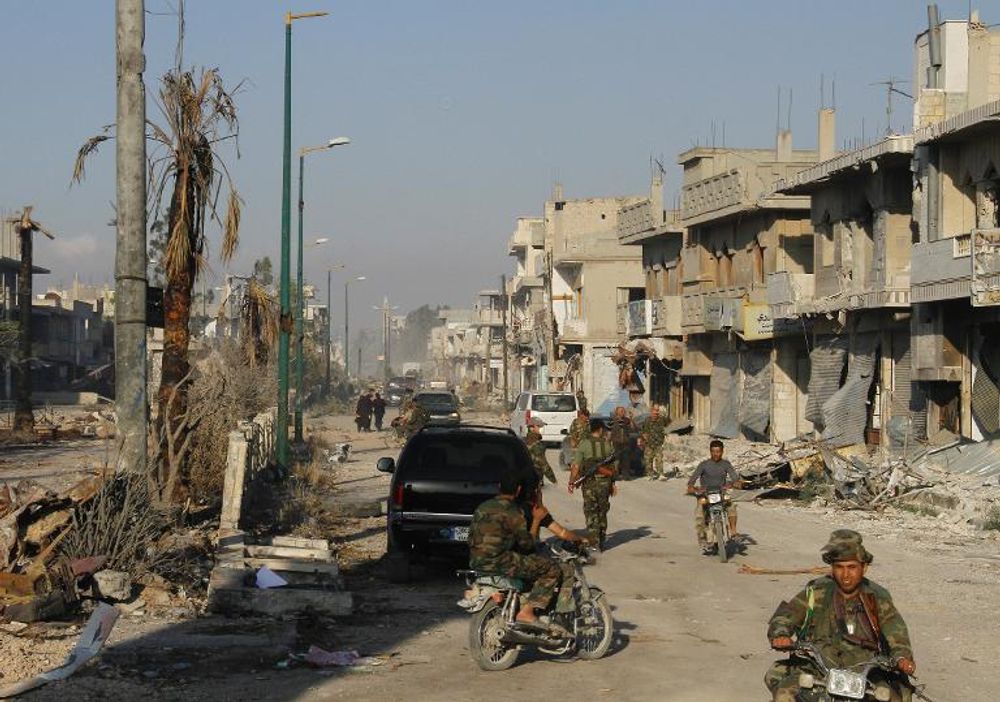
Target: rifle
[{"x": 592, "y": 471}]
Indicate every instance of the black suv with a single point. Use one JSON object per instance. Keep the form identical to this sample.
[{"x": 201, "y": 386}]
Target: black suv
[
  {"x": 441, "y": 406},
  {"x": 443, "y": 474}
]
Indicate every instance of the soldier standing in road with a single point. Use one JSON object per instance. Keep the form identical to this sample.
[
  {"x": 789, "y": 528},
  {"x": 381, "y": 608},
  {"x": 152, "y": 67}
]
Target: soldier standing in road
[
  {"x": 846, "y": 616},
  {"x": 651, "y": 437},
  {"x": 378, "y": 408},
  {"x": 579, "y": 429},
  {"x": 536, "y": 449},
  {"x": 621, "y": 429},
  {"x": 581, "y": 401},
  {"x": 598, "y": 488}
]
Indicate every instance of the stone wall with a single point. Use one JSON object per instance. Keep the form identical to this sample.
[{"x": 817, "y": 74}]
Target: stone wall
[{"x": 251, "y": 450}]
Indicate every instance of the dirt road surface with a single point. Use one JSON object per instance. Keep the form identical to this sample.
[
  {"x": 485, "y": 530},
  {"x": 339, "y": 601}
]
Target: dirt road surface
[{"x": 688, "y": 627}]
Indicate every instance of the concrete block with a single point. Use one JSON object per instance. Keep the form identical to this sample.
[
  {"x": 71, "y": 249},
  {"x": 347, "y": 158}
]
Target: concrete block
[
  {"x": 224, "y": 598},
  {"x": 304, "y": 554}
]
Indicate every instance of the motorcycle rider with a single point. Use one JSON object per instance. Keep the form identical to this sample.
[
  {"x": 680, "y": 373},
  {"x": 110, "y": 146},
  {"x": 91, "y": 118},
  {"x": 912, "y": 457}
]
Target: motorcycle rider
[
  {"x": 715, "y": 474},
  {"x": 501, "y": 543},
  {"x": 848, "y": 617}
]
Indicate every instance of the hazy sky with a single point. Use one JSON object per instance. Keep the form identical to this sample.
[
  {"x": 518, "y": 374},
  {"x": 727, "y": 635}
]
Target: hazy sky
[{"x": 462, "y": 113}]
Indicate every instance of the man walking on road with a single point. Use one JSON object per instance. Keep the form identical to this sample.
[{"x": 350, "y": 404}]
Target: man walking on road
[
  {"x": 536, "y": 449},
  {"x": 579, "y": 429},
  {"x": 651, "y": 437},
  {"x": 621, "y": 430},
  {"x": 378, "y": 410},
  {"x": 597, "y": 488},
  {"x": 715, "y": 474},
  {"x": 846, "y": 616}
]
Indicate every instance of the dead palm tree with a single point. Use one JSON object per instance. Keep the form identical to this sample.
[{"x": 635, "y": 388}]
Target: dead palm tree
[
  {"x": 198, "y": 114},
  {"x": 258, "y": 323},
  {"x": 25, "y": 226}
]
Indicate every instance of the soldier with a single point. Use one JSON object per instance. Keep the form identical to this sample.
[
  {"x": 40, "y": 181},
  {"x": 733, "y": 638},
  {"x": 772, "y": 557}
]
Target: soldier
[
  {"x": 651, "y": 437},
  {"x": 416, "y": 418},
  {"x": 581, "y": 401},
  {"x": 501, "y": 543},
  {"x": 598, "y": 488},
  {"x": 579, "y": 428},
  {"x": 846, "y": 616},
  {"x": 536, "y": 449},
  {"x": 621, "y": 430}
]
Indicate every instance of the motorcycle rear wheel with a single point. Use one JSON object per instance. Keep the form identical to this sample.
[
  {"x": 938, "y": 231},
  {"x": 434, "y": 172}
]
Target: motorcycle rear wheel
[
  {"x": 595, "y": 628},
  {"x": 485, "y": 644},
  {"x": 721, "y": 540}
]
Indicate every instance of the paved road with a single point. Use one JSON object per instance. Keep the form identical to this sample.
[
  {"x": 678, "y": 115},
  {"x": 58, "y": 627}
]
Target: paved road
[{"x": 690, "y": 628}]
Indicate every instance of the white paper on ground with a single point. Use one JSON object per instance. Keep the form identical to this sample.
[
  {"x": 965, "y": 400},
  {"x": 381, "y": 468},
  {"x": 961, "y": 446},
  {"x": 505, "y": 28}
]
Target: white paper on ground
[{"x": 267, "y": 578}]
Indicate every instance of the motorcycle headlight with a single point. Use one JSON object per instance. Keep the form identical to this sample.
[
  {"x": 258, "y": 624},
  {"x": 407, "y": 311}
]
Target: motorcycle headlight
[{"x": 806, "y": 681}]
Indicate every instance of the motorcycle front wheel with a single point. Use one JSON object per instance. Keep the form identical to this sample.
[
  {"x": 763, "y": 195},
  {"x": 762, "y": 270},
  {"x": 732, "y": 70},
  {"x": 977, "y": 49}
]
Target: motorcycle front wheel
[
  {"x": 595, "y": 627},
  {"x": 720, "y": 539},
  {"x": 486, "y": 639}
]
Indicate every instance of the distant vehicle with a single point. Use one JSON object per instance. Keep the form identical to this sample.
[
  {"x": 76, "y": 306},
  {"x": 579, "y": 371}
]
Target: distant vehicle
[
  {"x": 556, "y": 409},
  {"x": 441, "y": 406},
  {"x": 396, "y": 389},
  {"x": 443, "y": 474},
  {"x": 436, "y": 385}
]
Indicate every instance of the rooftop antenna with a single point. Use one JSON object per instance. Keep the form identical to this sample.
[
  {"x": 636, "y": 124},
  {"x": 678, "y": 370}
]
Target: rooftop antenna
[
  {"x": 890, "y": 84},
  {"x": 822, "y": 91},
  {"x": 789, "y": 120},
  {"x": 777, "y": 119},
  {"x": 723, "y": 134},
  {"x": 834, "y": 90}
]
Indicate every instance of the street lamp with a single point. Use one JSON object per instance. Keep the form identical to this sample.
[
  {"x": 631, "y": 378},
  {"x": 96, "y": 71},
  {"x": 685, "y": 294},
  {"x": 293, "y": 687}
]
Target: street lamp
[
  {"x": 347, "y": 328},
  {"x": 300, "y": 338},
  {"x": 285, "y": 326},
  {"x": 329, "y": 319}
]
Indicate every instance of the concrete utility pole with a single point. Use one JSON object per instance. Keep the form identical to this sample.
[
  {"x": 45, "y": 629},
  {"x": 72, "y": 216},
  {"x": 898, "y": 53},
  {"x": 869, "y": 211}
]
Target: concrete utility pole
[
  {"x": 386, "y": 309},
  {"x": 130, "y": 242},
  {"x": 503, "y": 316}
]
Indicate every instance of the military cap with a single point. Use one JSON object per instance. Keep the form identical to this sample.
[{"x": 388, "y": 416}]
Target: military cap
[
  {"x": 845, "y": 545},
  {"x": 536, "y": 422}
]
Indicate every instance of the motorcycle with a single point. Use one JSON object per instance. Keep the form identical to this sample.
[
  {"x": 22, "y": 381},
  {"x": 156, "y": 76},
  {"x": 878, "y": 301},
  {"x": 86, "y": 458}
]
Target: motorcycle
[
  {"x": 496, "y": 639},
  {"x": 714, "y": 501},
  {"x": 871, "y": 680}
]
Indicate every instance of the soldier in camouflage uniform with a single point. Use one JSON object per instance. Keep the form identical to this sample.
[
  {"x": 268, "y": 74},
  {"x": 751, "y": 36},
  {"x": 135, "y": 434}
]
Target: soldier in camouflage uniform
[
  {"x": 846, "y": 616},
  {"x": 621, "y": 429},
  {"x": 651, "y": 437},
  {"x": 536, "y": 449},
  {"x": 598, "y": 488},
  {"x": 501, "y": 543},
  {"x": 580, "y": 428},
  {"x": 581, "y": 400}
]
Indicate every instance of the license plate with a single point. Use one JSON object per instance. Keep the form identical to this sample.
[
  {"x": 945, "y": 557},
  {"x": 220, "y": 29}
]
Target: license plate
[
  {"x": 714, "y": 498},
  {"x": 460, "y": 533},
  {"x": 846, "y": 684}
]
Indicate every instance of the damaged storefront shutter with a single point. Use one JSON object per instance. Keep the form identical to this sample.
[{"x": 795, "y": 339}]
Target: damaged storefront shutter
[
  {"x": 846, "y": 412},
  {"x": 985, "y": 390},
  {"x": 909, "y": 403},
  {"x": 724, "y": 396},
  {"x": 755, "y": 402},
  {"x": 826, "y": 363}
]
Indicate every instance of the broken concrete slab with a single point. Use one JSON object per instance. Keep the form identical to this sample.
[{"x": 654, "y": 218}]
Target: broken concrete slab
[
  {"x": 113, "y": 585},
  {"x": 227, "y": 597}
]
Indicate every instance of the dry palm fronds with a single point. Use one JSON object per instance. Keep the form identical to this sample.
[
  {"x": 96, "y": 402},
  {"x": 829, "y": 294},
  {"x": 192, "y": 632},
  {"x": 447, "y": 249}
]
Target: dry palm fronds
[{"x": 258, "y": 322}]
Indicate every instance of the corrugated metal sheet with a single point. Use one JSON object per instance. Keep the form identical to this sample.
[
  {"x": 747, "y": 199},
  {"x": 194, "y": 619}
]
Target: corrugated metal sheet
[
  {"x": 724, "y": 396},
  {"x": 755, "y": 402},
  {"x": 979, "y": 459},
  {"x": 908, "y": 398},
  {"x": 985, "y": 393},
  {"x": 826, "y": 363},
  {"x": 846, "y": 412}
]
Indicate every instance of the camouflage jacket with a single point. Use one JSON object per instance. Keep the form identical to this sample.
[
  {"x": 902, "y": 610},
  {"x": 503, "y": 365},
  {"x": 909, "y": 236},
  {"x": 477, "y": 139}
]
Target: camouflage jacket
[
  {"x": 654, "y": 431},
  {"x": 847, "y": 631},
  {"x": 578, "y": 430},
  {"x": 620, "y": 429},
  {"x": 416, "y": 417},
  {"x": 536, "y": 448},
  {"x": 498, "y": 531},
  {"x": 592, "y": 450}
]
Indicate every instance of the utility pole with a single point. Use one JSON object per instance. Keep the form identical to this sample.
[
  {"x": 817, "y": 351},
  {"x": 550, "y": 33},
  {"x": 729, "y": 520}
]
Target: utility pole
[
  {"x": 130, "y": 239},
  {"x": 329, "y": 322},
  {"x": 503, "y": 316},
  {"x": 386, "y": 310}
]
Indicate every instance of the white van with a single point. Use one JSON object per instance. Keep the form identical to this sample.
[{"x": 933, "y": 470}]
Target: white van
[{"x": 556, "y": 409}]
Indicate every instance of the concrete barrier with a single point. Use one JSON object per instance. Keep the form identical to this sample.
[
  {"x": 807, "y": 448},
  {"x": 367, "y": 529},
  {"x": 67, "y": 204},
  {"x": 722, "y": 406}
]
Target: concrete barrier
[{"x": 251, "y": 450}]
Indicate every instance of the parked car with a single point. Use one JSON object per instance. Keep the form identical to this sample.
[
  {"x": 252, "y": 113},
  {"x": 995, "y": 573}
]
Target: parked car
[
  {"x": 441, "y": 406},
  {"x": 443, "y": 474},
  {"x": 556, "y": 409},
  {"x": 395, "y": 390}
]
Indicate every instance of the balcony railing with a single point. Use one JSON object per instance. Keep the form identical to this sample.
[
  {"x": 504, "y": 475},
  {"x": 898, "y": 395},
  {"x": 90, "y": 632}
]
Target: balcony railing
[
  {"x": 713, "y": 193},
  {"x": 636, "y": 218},
  {"x": 574, "y": 328}
]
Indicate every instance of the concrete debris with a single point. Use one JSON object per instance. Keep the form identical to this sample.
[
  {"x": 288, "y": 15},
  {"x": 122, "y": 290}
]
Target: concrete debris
[{"x": 112, "y": 585}]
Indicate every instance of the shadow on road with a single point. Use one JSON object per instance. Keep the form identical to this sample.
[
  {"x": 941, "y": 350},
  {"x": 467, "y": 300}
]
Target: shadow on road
[{"x": 623, "y": 536}]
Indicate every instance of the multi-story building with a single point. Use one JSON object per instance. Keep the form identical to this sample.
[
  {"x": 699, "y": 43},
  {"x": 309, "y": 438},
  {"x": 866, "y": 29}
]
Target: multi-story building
[
  {"x": 656, "y": 319},
  {"x": 467, "y": 347},
  {"x": 589, "y": 274},
  {"x": 528, "y": 332},
  {"x": 738, "y": 233}
]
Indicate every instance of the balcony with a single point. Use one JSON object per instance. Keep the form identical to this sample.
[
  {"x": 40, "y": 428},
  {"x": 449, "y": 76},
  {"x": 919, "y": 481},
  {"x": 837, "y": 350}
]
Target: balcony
[
  {"x": 635, "y": 318},
  {"x": 942, "y": 269},
  {"x": 711, "y": 194},
  {"x": 666, "y": 316},
  {"x": 785, "y": 291},
  {"x": 574, "y": 328},
  {"x": 595, "y": 248},
  {"x": 636, "y": 218}
]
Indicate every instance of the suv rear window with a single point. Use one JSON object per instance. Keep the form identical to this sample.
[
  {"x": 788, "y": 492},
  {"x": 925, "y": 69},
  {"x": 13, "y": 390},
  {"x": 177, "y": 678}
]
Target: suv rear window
[
  {"x": 475, "y": 458},
  {"x": 553, "y": 403},
  {"x": 435, "y": 399}
]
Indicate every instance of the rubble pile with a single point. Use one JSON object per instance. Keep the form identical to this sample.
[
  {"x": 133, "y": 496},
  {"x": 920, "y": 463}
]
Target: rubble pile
[{"x": 956, "y": 477}]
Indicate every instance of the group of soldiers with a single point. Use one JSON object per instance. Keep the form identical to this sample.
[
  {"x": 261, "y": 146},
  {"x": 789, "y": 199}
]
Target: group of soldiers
[{"x": 844, "y": 616}]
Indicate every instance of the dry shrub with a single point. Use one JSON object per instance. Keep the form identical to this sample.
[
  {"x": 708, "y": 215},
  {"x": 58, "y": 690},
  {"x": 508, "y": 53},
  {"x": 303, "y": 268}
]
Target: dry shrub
[{"x": 234, "y": 392}]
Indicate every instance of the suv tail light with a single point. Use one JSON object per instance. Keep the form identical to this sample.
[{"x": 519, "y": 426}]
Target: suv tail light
[
  {"x": 527, "y": 417},
  {"x": 397, "y": 496}
]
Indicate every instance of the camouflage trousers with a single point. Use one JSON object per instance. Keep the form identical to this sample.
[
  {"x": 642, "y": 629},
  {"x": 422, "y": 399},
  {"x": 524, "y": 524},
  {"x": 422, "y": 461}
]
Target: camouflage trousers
[
  {"x": 596, "y": 503},
  {"x": 543, "y": 573},
  {"x": 652, "y": 460},
  {"x": 544, "y": 470},
  {"x": 624, "y": 454},
  {"x": 701, "y": 521}
]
